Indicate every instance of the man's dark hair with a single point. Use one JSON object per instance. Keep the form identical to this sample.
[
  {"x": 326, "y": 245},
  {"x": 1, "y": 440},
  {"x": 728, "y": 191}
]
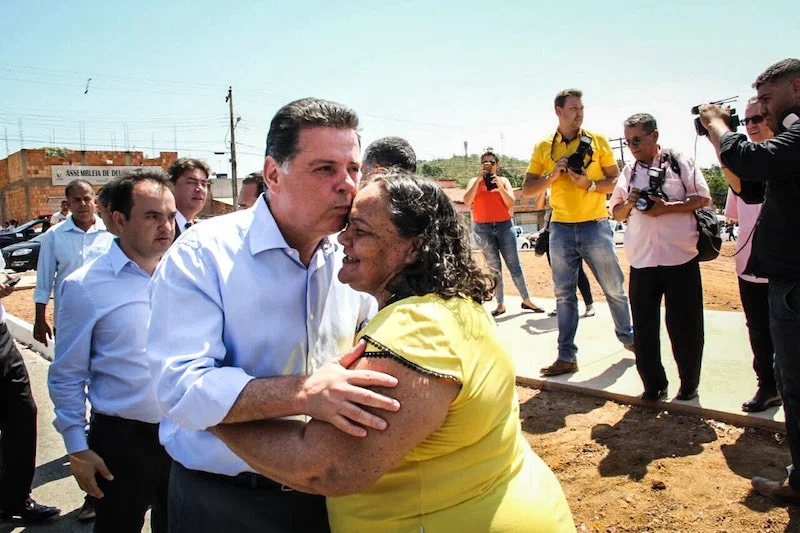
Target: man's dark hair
[
  {"x": 390, "y": 152},
  {"x": 284, "y": 130},
  {"x": 120, "y": 190},
  {"x": 561, "y": 97},
  {"x": 183, "y": 164},
  {"x": 420, "y": 209},
  {"x": 76, "y": 183},
  {"x": 258, "y": 179},
  {"x": 104, "y": 195},
  {"x": 784, "y": 70},
  {"x": 645, "y": 120}
]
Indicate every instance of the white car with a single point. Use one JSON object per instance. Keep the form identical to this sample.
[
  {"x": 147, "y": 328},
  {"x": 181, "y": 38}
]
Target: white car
[
  {"x": 522, "y": 241},
  {"x": 619, "y": 231}
]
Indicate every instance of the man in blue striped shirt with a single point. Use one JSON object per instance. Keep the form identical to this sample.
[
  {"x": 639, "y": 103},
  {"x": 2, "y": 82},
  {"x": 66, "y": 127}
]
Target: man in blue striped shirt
[{"x": 101, "y": 354}]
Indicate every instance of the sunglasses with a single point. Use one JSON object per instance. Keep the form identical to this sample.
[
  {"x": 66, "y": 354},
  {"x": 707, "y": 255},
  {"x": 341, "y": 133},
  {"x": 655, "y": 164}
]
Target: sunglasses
[
  {"x": 755, "y": 119},
  {"x": 636, "y": 141}
]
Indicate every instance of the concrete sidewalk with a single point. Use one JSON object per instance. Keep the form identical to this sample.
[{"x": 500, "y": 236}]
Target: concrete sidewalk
[{"x": 608, "y": 371}]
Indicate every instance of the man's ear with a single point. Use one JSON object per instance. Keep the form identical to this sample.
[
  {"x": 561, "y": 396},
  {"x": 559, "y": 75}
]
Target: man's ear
[
  {"x": 796, "y": 89},
  {"x": 118, "y": 218},
  {"x": 271, "y": 173}
]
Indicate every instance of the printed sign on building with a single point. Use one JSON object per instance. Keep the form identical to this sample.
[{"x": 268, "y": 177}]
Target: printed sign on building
[{"x": 63, "y": 174}]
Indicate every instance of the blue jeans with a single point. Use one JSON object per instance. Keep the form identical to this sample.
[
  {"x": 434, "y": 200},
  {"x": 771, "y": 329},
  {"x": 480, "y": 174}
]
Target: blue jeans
[
  {"x": 495, "y": 238},
  {"x": 593, "y": 242},
  {"x": 784, "y": 321}
]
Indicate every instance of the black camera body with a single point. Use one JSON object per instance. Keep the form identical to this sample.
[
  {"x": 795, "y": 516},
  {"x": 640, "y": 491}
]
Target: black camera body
[
  {"x": 487, "y": 179},
  {"x": 732, "y": 120},
  {"x": 656, "y": 175},
  {"x": 577, "y": 161}
]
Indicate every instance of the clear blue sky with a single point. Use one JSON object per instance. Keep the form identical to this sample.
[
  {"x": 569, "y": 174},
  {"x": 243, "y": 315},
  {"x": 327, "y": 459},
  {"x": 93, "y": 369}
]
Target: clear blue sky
[{"x": 437, "y": 73}]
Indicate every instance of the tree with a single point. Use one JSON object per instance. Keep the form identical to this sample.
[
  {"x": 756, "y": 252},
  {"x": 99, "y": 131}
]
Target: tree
[{"x": 717, "y": 185}]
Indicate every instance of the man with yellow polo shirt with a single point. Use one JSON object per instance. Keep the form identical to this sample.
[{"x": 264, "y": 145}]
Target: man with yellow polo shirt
[{"x": 580, "y": 169}]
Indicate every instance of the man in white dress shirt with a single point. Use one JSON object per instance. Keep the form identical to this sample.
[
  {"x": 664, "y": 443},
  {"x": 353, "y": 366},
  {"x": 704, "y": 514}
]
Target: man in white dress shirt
[
  {"x": 248, "y": 314},
  {"x": 189, "y": 179},
  {"x": 101, "y": 354},
  {"x": 70, "y": 245}
]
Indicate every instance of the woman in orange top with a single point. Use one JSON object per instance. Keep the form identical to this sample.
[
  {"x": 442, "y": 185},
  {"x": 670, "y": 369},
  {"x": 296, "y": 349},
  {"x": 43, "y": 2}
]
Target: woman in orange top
[{"x": 492, "y": 200}]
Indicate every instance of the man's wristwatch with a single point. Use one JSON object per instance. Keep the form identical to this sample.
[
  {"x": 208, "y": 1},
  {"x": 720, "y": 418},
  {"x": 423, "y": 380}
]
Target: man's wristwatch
[{"x": 592, "y": 187}]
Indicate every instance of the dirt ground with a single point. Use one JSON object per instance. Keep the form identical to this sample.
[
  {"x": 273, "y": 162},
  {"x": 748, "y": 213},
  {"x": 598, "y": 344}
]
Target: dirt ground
[
  {"x": 629, "y": 469},
  {"x": 720, "y": 288}
]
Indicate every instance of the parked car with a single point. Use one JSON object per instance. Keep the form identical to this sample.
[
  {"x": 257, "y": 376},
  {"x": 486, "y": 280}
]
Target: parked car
[
  {"x": 23, "y": 256},
  {"x": 25, "y": 232},
  {"x": 533, "y": 237},
  {"x": 522, "y": 241},
  {"x": 619, "y": 231}
]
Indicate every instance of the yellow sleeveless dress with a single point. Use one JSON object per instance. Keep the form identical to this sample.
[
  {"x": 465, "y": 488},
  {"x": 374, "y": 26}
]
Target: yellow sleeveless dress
[{"x": 476, "y": 472}]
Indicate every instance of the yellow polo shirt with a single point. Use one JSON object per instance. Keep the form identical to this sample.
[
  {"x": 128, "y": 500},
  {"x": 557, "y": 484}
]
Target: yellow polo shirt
[{"x": 571, "y": 204}]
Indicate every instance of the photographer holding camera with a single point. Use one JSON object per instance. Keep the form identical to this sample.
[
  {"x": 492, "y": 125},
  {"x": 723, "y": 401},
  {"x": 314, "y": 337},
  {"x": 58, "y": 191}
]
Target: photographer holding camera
[
  {"x": 770, "y": 172},
  {"x": 580, "y": 168},
  {"x": 491, "y": 198},
  {"x": 657, "y": 194}
]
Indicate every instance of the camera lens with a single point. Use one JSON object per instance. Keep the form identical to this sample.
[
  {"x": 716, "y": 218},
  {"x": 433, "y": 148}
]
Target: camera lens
[{"x": 643, "y": 203}]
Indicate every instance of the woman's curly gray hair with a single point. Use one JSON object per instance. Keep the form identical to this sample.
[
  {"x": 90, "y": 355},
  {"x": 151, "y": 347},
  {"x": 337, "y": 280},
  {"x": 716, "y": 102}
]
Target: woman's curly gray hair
[{"x": 419, "y": 208}]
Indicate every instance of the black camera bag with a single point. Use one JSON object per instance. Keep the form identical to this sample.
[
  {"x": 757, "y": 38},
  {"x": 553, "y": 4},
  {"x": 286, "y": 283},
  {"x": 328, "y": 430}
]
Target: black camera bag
[{"x": 709, "y": 242}]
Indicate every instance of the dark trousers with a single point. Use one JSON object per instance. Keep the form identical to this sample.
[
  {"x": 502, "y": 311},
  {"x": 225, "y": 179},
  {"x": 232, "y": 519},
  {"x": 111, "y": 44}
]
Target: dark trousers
[
  {"x": 583, "y": 283},
  {"x": 755, "y": 301},
  {"x": 682, "y": 290},
  {"x": 200, "y": 502},
  {"x": 140, "y": 467},
  {"x": 784, "y": 317},
  {"x": 18, "y": 425}
]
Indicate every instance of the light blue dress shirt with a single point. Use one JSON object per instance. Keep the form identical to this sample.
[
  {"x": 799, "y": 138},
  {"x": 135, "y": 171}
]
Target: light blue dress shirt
[
  {"x": 102, "y": 337},
  {"x": 64, "y": 249},
  {"x": 231, "y": 301}
]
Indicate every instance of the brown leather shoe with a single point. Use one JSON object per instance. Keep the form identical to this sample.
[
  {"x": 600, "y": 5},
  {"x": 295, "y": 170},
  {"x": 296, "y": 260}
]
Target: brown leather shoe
[
  {"x": 559, "y": 367},
  {"x": 778, "y": 492}
]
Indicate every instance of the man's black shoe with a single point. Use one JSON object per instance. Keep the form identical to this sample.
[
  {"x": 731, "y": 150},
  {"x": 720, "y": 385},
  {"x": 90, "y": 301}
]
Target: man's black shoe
[
  {"x": 763, "y": 400},
  {"x": 31, "y": 512},
  {"x": 686, "y": 395},
  {"x": 655, "y": 395}
]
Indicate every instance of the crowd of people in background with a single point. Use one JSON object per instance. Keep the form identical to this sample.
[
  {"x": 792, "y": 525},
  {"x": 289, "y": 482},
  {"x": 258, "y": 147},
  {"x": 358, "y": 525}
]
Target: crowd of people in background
[{"x": 218, "y": 356}]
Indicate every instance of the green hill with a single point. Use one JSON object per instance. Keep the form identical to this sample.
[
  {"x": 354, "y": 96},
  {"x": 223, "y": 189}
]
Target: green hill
[{"x": 462, "y": 168}]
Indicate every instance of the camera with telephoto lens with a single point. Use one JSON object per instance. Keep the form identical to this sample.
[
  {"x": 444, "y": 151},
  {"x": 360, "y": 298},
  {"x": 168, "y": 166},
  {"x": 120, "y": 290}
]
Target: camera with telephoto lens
[
  {"x": 487, "y": 177},
  {"x": 731, "y": 119},
  {"x": 656, "y": 175},
  {"x": 577, "y": 161}
]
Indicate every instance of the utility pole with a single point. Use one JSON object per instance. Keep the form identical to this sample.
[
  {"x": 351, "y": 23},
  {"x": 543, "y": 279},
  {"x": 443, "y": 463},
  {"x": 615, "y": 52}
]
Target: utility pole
[
  {"x": 621, "y": 147},
  {"x": 234, "y": 185}
]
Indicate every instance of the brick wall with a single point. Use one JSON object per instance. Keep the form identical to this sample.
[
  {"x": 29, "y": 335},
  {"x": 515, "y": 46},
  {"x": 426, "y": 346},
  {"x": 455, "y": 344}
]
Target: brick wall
[{"x": 26, "y": 183}]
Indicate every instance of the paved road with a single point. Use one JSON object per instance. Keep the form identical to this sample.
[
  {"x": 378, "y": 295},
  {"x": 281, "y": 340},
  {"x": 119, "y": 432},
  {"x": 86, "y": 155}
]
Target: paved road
[{"x": 53, "y": 484}]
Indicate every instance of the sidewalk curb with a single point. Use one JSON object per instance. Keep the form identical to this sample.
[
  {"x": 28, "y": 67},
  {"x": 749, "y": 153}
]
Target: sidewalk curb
[
  {"x": 675, "y": 407},
  {"x": 23, "y": 333}
]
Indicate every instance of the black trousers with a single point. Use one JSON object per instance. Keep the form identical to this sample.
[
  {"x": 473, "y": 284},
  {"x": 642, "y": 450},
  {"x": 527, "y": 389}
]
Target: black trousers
[
  {"x": 755, "y": 301},
  {"x": 18, "y": 425},
  {"x": 682, "y": 290},
  {"x": 583, "y": 283},
  {"x": 200, "y": 502},
  {"x": 140, "y": 467}
]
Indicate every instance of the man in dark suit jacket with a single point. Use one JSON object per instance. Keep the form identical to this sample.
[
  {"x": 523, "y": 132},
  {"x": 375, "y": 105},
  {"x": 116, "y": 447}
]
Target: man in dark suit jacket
[{"x": 189, "y": 178}]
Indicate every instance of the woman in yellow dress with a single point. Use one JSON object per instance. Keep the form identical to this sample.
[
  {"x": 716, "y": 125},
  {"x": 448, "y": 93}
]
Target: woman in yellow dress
[{"x": 453, "y": 457}]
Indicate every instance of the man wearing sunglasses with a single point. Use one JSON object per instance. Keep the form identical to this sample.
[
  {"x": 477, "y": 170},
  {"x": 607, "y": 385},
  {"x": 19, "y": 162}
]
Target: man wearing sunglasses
[
  {"x": 661, "y": 246},
  {"x": 770, "y": 173},
  {"x": 579, "y": 226},
  {"x": 753, "y": 289}
]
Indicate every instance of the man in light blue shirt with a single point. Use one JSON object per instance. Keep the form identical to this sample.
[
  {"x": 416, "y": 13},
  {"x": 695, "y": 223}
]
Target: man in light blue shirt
[
  {"x": 254, "y": 294},
  {"x": 101, "y": 354},
  {"x": 73, "y": 243}
]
